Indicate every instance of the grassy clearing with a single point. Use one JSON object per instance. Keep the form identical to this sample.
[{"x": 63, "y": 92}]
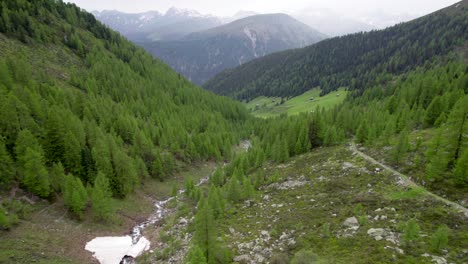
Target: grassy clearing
[{"x": 271, "y": 106}]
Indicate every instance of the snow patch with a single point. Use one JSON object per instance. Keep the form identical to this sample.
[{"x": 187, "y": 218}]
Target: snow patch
[{"x": 111, "y": 250}]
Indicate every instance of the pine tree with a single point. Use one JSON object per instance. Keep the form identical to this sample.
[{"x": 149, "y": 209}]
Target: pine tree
[
  {"x": 436, "y": 158},
  {"x": 217, "y": 177},
  {"x": 57, "y": 177},
  {"x": 205, "y": 231},
  {"x": 233, "y": 190},
  {"x": 75, "y": 195},
  {"x": 362, "y": 133},
  {"x": 433, "y": 112},
  {"x": 439, "y": 239},
  {"x": 196, "y": 256},
  {"x": 101, "y": 198},
  {"x": 461, "y": 170},
  {"x": 411, "y": 232},
  {"x": 7, "y": 166},
  {"x": 36, "y": 178},
  {"x": 400, "y": 150}
]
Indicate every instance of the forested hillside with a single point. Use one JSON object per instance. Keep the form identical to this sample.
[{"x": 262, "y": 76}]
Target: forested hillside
[
  {"x": 81, "y": 106},
  {"x": 355, "y": 61}
]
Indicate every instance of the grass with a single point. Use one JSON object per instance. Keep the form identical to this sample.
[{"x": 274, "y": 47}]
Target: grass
[
  {"x": 412, "y": 193},
  {"x": 270, "y": 106}
]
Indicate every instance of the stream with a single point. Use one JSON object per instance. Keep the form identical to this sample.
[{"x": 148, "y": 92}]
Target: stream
[{"x": 125, "y": 249}]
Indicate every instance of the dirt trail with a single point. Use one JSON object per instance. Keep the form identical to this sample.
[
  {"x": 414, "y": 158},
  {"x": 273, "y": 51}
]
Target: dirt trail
[{"x": 408, "y": 181}]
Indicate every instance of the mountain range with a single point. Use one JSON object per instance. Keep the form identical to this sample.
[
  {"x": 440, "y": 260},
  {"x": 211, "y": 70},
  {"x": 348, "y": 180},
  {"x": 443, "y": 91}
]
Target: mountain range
[
  {"x": 201, "y": 55},
  {"x": 354, "y": 61}
]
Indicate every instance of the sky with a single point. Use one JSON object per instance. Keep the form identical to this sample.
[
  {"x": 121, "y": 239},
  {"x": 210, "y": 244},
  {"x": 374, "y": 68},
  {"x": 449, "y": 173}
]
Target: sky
[{"x": 229, "y": 8}]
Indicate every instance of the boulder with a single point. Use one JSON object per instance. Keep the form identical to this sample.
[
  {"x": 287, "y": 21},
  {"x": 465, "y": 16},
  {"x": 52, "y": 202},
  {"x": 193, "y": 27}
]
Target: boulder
[{"x": 351, "y": 222}]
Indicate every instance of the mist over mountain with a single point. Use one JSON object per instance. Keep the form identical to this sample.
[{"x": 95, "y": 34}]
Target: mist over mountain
[
  {"x": 201, "y": 55},
  {"x": 153, "y": 25}
]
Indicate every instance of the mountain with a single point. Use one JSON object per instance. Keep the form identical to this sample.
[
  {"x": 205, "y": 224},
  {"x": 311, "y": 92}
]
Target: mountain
[
  {"x": 152, "y": 25},
  {"x": 355, "y": 61},
  {"x": 201, "y": 55}
]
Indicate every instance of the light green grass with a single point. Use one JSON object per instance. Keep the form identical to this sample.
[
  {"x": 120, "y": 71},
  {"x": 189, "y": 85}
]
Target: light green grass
[{"x": 270, "y": 106}]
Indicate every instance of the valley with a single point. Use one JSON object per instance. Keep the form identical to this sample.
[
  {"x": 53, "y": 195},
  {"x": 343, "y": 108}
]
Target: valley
[{"x": 299, "y": 148}]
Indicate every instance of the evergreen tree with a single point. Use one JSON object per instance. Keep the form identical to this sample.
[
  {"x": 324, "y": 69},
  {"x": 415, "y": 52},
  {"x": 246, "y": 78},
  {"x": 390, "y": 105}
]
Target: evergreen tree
[
  {"x": 400, "y": 150},
  {"x": 411, "y": 232},
  {"x": 362, "y": 133},
  {"x": 196, "y": 256},
  {"x": 205, "y": 231},
  {"x": 233, "y": 190},
  {"x": 57, "y": 177},
  {"x": 439, "y": 239},
  {"x": 7, "y": 168},
  {"x": 434, "y": 110},
  {"x": 101, "y": 198},
  {"x": 461, "y": 170},
  {"x": 36, "y": 178},
  {"x": 217, "y": 177},
  {"x": 75, "y": 195}
]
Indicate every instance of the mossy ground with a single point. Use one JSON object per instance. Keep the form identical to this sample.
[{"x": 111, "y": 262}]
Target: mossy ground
[{"x": 337, "y": 182}]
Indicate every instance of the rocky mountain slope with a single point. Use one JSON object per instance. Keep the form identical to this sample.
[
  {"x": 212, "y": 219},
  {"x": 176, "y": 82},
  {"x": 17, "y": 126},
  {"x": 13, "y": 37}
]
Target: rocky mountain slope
[
  {"x": 201, "y": 55},
  {"x": 153, "y": 25}
]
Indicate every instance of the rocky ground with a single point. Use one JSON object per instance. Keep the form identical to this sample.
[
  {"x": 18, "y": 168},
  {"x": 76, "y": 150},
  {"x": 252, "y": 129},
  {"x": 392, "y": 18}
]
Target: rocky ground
[{"x": 335, "y": 203}]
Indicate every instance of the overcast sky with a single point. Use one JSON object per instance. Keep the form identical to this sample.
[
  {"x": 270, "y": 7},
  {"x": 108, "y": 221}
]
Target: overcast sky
[{"x": 228, "y": 8}]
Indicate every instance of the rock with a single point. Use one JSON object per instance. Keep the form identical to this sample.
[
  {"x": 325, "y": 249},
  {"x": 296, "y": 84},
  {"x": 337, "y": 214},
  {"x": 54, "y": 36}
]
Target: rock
[
  {"x": 183, "y": 221},
  {"x": 351, "y": 222},
  {"x": 266, "y": 197},
  {"x": 259, "y": 258},
  {"x": 347, "y": 165},
  {"x": 383, "y": 217},
  {"x": 232, "y": 231},
  {"x": 376, "y": 232},
  {"x": 248, "y": 203},
  {"x": 242, "y": 258}
]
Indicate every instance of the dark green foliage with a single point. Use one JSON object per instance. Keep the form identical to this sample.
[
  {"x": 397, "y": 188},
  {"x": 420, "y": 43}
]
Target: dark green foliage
[
  {"x": 461, "y": 170},
  {"x": 357, "y": 61}
]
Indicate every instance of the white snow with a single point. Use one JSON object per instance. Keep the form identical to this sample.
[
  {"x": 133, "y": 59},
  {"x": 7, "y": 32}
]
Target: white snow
[{"x": 111, "y": 250}]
